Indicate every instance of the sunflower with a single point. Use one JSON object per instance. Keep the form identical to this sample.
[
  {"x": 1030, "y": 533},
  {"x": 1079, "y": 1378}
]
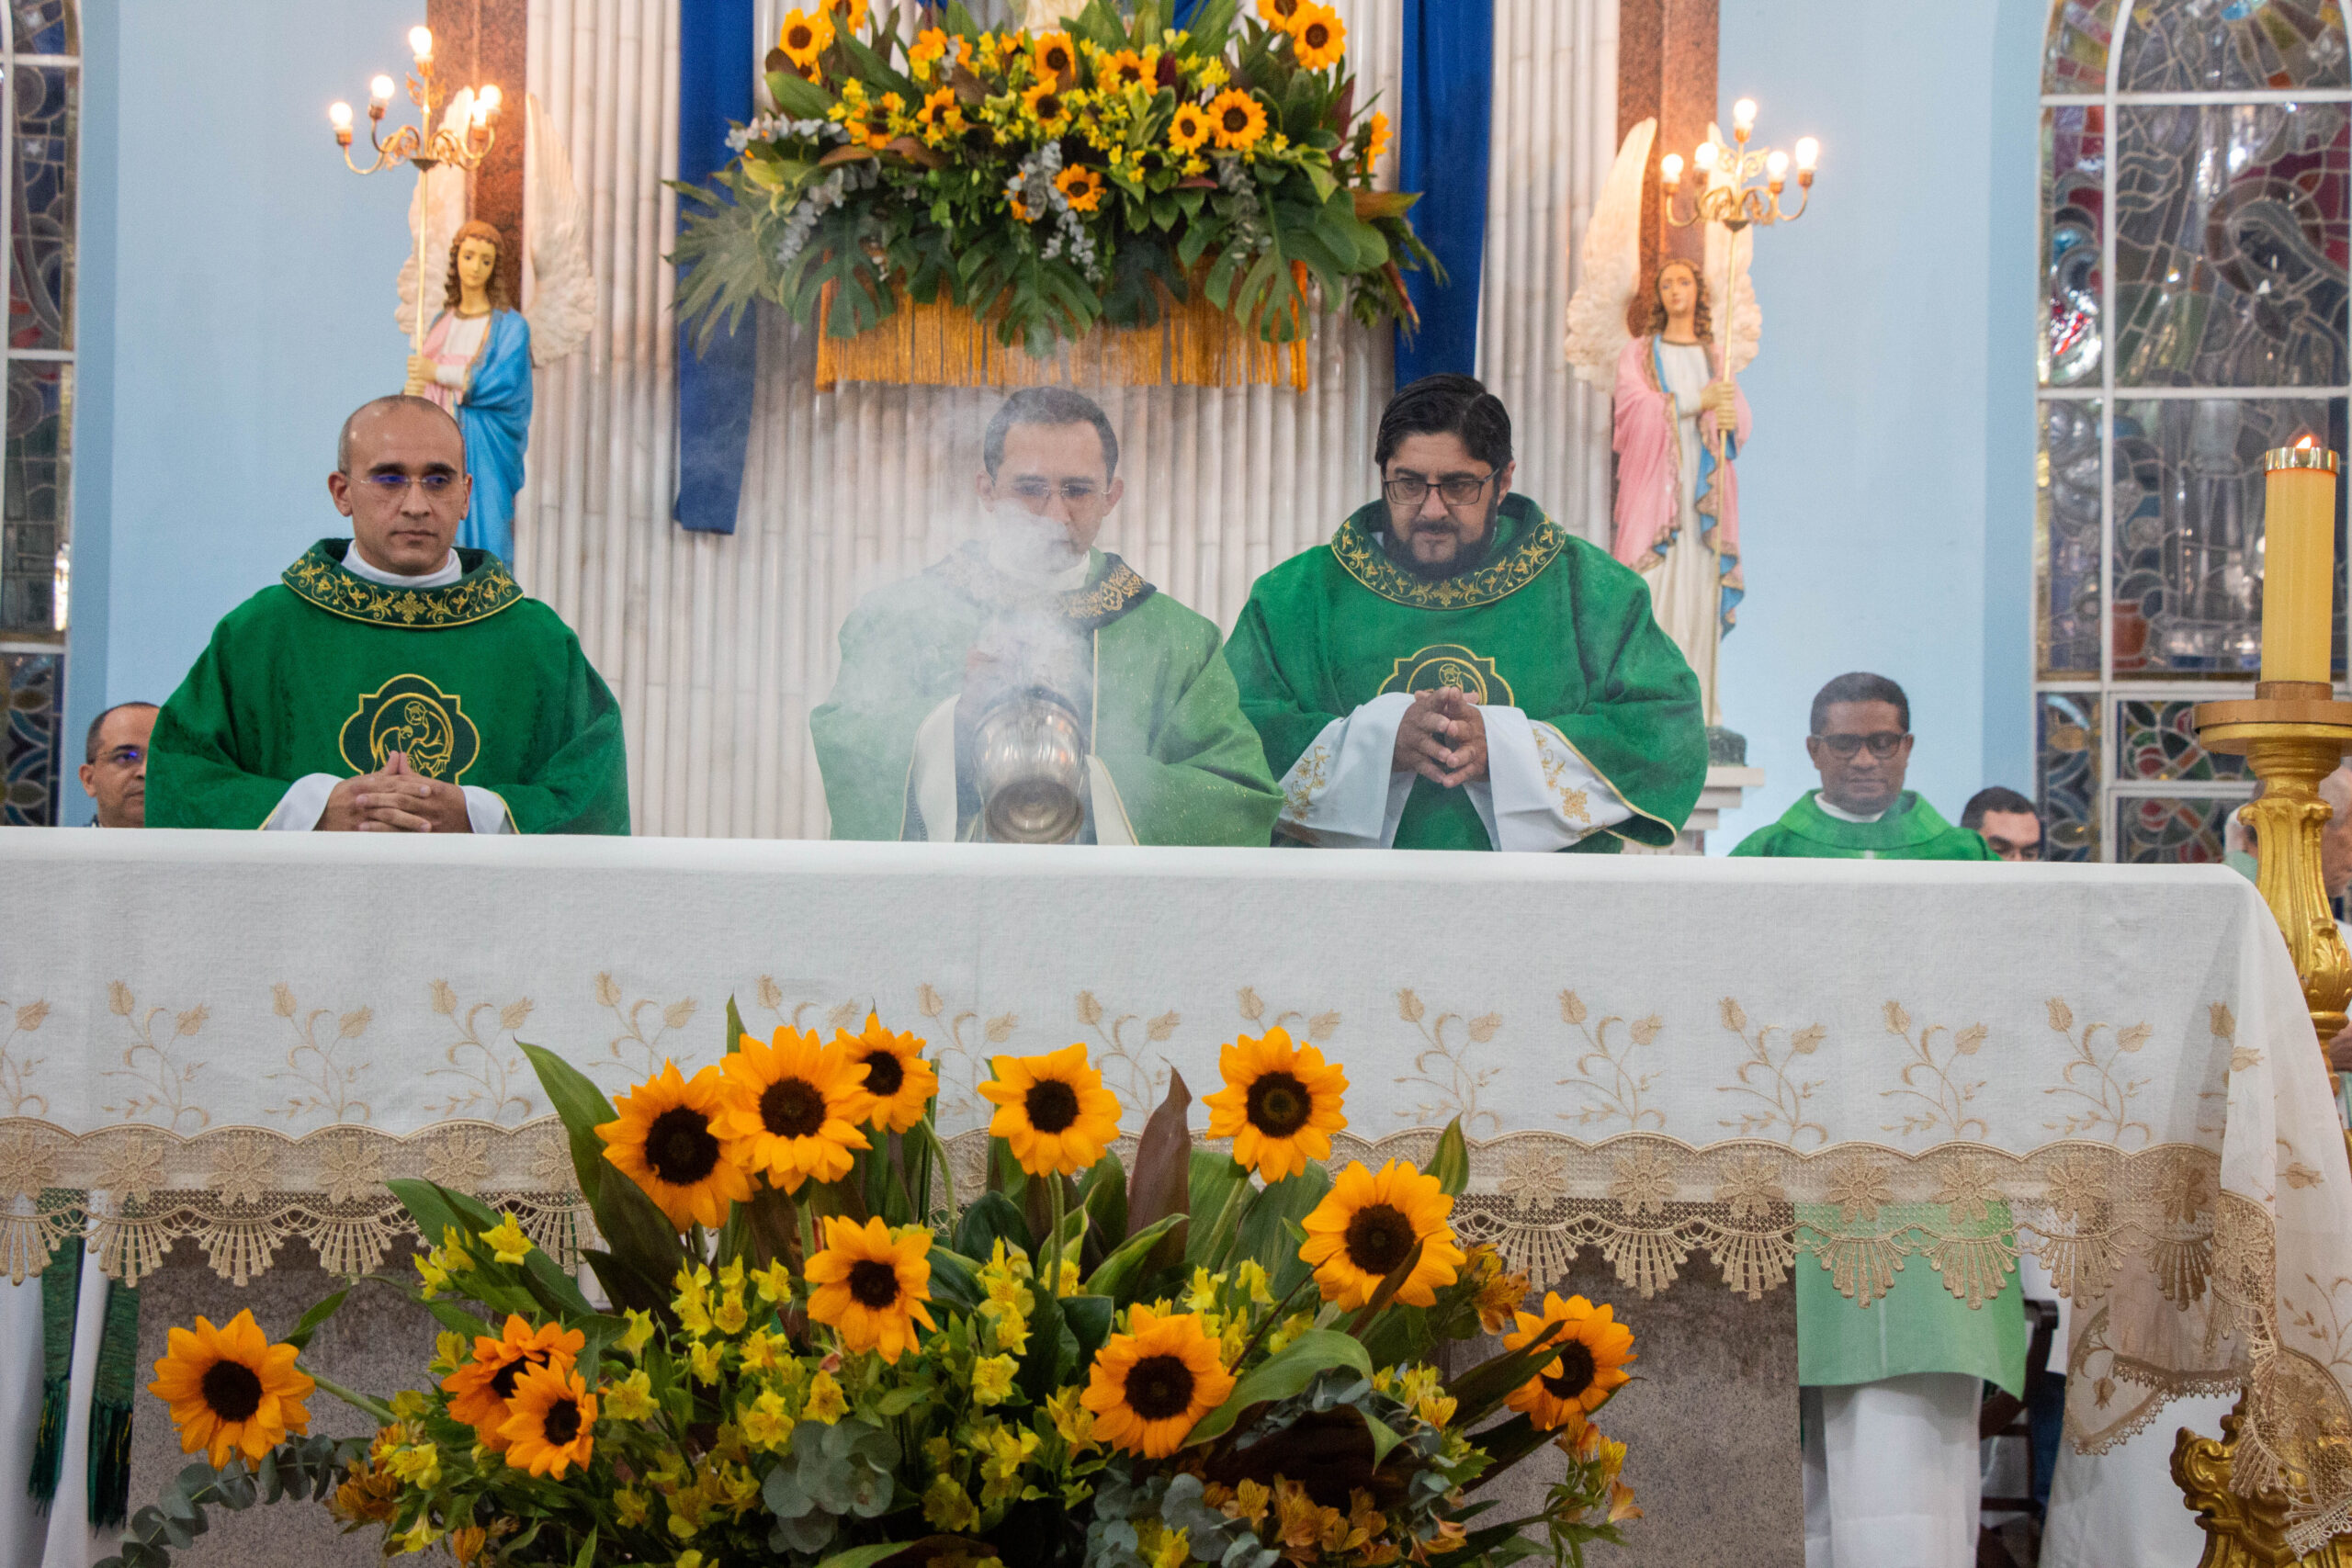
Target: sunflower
[
  {"x": 231, "y": 1390},
  {"x": 1124, "y": 68},
  {"x": 1593, "y": 1349},
  {"x": 1317, "y": 36},
  {"x": 480, "y": 1389},
  {"x": 852, "y": 13},
  {"x": 1048, "y": 107},
  {"x": 1280, "y": 13},
  {"x": 871, "y": 1285},
  {"x": 1280, "y": 1104},
  {"x": 1055, "y": 57},
  {"x": 1083, "y": 188},
  {"x": 898, "y": 1082},
  {"x": 1236, "y": 120},
  {"x": 1369, "y": 1224},
  {"x": 1053, "y": 1110},
  {"x": 553, "y": 1422},
  {"x": 793, "y": 1106},
  {"x": 803, "y": 38},
  {"x": 1189, "y": 129},
  {"x": 1151, "y": 1383},
  {"x": 666, "y": 1141}
]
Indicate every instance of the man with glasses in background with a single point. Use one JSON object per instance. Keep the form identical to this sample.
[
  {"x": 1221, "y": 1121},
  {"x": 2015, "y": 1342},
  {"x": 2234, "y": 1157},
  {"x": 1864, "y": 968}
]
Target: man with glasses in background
[
  {"x": 1030, "y": 624},
  {"x": 1890, "y": 1392},
  {"x": 1454, "y": 672},
  {"x": 389, "y": 683},
  {"x": 114, "y": 770}
]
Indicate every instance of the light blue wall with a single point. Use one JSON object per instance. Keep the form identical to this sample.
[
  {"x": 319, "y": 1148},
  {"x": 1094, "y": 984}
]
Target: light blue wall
[
  {"x": 1886, "y": 497},
  {"x": 236, "y": 302}
]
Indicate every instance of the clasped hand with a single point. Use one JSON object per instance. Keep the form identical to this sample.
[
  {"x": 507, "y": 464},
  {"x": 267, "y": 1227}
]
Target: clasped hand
[
  {"x": 1442, "y": 737},
  {"x": 396, "y": 800},
  {"x": 1721, "y": 400}
]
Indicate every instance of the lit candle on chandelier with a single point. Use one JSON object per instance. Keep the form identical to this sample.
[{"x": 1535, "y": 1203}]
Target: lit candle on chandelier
[{"x": 2299, "y": 561}]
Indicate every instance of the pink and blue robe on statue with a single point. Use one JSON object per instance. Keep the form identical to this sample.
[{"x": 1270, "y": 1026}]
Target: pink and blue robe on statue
[{"x": 483, "y": 377}]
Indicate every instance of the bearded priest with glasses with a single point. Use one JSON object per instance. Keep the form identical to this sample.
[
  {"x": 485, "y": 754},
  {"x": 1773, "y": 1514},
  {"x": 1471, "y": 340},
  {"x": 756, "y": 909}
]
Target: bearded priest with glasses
[
  {"x": 1454, "y": 672},
  {"x": 389, "y": 683}
]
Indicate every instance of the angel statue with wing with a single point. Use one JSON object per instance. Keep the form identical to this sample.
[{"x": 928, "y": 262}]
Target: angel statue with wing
[
  {"x": 475, "y": 354},
  {"x": 1680, "y": 420}
]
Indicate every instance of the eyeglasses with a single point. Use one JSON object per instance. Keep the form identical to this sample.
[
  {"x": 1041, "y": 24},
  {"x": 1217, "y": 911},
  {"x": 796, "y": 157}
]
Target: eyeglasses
[
  {"x": 1037, "y": 493},
  {"x": 1883, "y": 744},
  {"x": 1411, "y": 489},
  {"x": 125, "y": 756},
  {"x": 391, "y": 487}
]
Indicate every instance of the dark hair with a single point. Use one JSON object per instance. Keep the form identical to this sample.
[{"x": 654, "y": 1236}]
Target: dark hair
[
  {"x": 1860, "y": 687},
  {"x": 1997, "y": 797},
  {"x": 90, "y": 741},
  {"x": 1446, "y": 404},
  {"x": 1702, "y": 320},
  {"x": 1049, "y": 405},
  {"x": 500, "y": 286}
]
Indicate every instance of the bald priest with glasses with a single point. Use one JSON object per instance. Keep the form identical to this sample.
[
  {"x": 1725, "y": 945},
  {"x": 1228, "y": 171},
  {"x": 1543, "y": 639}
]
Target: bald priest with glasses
[
  {"x": 1454, "y": 672},
  {"x": 389, "y": 682}
]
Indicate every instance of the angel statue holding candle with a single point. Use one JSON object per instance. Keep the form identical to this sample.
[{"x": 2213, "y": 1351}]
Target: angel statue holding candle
[
  {"x": 476, "y": 353},
  {"x": 1680, "y": 420}
]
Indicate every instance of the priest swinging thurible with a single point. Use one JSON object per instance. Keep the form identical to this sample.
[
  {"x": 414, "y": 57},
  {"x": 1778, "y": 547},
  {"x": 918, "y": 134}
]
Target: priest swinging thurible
[
  {"x": 1454, "y": 672},
  {"x": 390, "y": 682}
]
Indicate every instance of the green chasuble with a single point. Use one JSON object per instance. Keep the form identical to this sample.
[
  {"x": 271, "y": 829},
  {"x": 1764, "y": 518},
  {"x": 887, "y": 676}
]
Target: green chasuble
[
  {"x": 1911, "y": 829},
  {"x": 1186, "y": 765},
  {"x": 1919, "y": 1326},
  {"x": 1548, "y": 624},
  {"x": 326, "y": 672}
]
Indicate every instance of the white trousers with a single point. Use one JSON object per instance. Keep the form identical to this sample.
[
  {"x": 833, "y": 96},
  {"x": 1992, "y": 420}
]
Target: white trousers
[{"x": 1891, "y": 1476}]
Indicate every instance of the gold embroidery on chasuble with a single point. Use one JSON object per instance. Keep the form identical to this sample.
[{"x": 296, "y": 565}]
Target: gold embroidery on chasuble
[
  {"x": 410, "y": 714},
  {"x": 1451, "y": 664},
  {"x": 319, "y": 578},
  {"x": 1361, "y": 555}
]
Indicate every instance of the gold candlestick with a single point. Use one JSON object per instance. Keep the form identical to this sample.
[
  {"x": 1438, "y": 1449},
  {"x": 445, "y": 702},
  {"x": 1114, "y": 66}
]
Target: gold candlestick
[{"x": 2294, "y": 733}]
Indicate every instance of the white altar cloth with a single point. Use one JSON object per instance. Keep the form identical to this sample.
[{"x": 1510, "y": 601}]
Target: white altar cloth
[{"x": 238, "y": 1036}]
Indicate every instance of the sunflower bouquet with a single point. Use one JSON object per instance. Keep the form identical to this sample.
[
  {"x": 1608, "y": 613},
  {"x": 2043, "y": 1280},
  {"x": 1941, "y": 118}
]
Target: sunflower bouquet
[
  {"x": 805, "y": 1350},
  {"x": 1047, "y": 182}
]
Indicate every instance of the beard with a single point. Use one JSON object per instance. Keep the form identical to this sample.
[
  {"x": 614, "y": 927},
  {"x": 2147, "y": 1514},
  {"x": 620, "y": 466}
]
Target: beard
[{"x": 1468, "y": 555}]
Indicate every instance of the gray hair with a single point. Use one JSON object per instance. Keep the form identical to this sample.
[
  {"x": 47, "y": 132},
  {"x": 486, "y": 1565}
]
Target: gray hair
[{"x": 390, "y": 400}]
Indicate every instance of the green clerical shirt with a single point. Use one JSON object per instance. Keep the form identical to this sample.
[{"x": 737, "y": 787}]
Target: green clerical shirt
[
  {"x": 1185, "y": 763},
  {"x": 327, "y": 672},
  {"x": 1547, "y": 625},
  {"x": 1919, "y": 1326}
]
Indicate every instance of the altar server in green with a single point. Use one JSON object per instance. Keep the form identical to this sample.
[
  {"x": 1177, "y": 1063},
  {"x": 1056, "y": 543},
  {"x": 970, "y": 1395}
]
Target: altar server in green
[
  {"x": 1032, "y": 606},
  {"x": 389, "y": 682},
  {"x": 1891, "y": 1390},
  {"x": 1454, "y": 672}
]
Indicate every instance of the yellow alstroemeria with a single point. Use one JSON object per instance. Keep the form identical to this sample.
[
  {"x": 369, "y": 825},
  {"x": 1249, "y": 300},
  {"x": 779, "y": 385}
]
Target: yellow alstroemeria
[
  {"x": 1251, "y": 1277},
  {"x": 707, "y": 1361},
  {"x": 825, "y": 1401},
  {"x": 410, "y": 1405},
  {"x": 766, "y": 1423},
  {"x": 733, "y": 1317},
  {"x": 417, "y": 1537},
  {"x": 947, "y": 1506},
  {"x": 992, "y": 1378},
  {"x": 1073, "y": 1423},
  {"x": 640, "y": 1332},
  {"x": 774, "y": 1283},
  {"x": 1202, "y": 1295},
  {"x": 506, "y": 1241},
  {"x": 419, "y": 1466},
  {"x": 760, "y": 1351},
  {"x": 631, "y": 1399},
  {"x": 629, "y": 1506}
]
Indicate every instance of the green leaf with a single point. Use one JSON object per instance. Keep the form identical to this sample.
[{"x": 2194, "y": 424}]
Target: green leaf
[
  {"x": 1313, "y": 1353},
  {"x": 864, "y": 1556},
  {"x": 1103, "y": 1192},
  {"x": 300, "y": 1337},
  {"x": 1506, "y": 1443},
  {"x": 1041, "y": 1367},
  {"x": 1269, "y": 1231},
  {"x": 877, "y": 71},
  {"x": 1090, "y": 1318},
  {"x": 583, "y": 1107},
  {"x": 1451, "y": 1161},
  {"x": 1219, "y": 1190},
  {"x": 1131, "y": 1260},
  {"x": 1384, "y": 1438},
  {"x": 953, "y": 1278},
  {"x": 1212, "y": 24},
  {"x": 1101, "y": 23},
  {"x": 734, "y": 1028},
  {"x": 987, "y": 1221},
  {"x": 1477, "y": 1391},
  {"x": 798, "y": 97},
  {"x": 587, "y": 1558}
]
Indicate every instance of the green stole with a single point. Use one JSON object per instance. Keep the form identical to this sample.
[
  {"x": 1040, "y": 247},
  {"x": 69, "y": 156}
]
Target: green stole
[
  {"x": 107, "y": 1474},
  {"x": 1544, "y": 622},
  {"x": 1911, "y": 829}
]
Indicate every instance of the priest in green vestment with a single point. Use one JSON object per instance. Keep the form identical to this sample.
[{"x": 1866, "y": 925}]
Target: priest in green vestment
[
  {"x": 389, "y": 682},
  {"x": 1454, "y": 672},
  {"x": 1033, "y": 610},
  {"x": 1891, "y": 1390}
]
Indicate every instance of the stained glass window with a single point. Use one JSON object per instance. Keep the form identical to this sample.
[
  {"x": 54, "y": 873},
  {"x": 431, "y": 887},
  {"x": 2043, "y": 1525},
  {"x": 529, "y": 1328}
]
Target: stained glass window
[
  {"x": 40, "y": 89},
  {"x": 2195, "y": 250}
]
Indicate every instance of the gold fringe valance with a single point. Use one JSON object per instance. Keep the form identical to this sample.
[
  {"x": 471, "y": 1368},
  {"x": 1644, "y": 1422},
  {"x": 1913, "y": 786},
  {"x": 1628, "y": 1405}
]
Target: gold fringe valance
[{"x": 1194, "y": 344}]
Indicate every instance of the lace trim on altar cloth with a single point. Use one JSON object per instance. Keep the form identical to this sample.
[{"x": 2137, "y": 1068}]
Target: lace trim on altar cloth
[{"x": 2176, "y": 1279}]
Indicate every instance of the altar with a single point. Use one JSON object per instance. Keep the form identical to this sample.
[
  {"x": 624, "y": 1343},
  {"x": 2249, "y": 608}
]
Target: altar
[{"x": 1682, "y": 1079}]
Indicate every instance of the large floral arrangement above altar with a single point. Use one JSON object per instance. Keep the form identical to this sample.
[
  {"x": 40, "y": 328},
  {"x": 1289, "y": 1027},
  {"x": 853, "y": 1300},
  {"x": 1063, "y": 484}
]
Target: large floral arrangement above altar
[
  {"x": 814, "y": 1356},
  {"x": 960, "y": 209}
]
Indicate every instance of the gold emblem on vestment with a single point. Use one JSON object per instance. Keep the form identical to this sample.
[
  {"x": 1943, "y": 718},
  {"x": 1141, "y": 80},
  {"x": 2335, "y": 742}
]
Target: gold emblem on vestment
[
  {"x": 1451, "y": 664},
  {"x": 410, "y": 714}
]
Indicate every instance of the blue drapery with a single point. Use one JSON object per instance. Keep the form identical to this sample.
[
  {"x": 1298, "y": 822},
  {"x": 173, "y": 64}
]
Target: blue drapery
[
  {"x": 714, "y": 69},
  {"x": 1444, "y": 114}
]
